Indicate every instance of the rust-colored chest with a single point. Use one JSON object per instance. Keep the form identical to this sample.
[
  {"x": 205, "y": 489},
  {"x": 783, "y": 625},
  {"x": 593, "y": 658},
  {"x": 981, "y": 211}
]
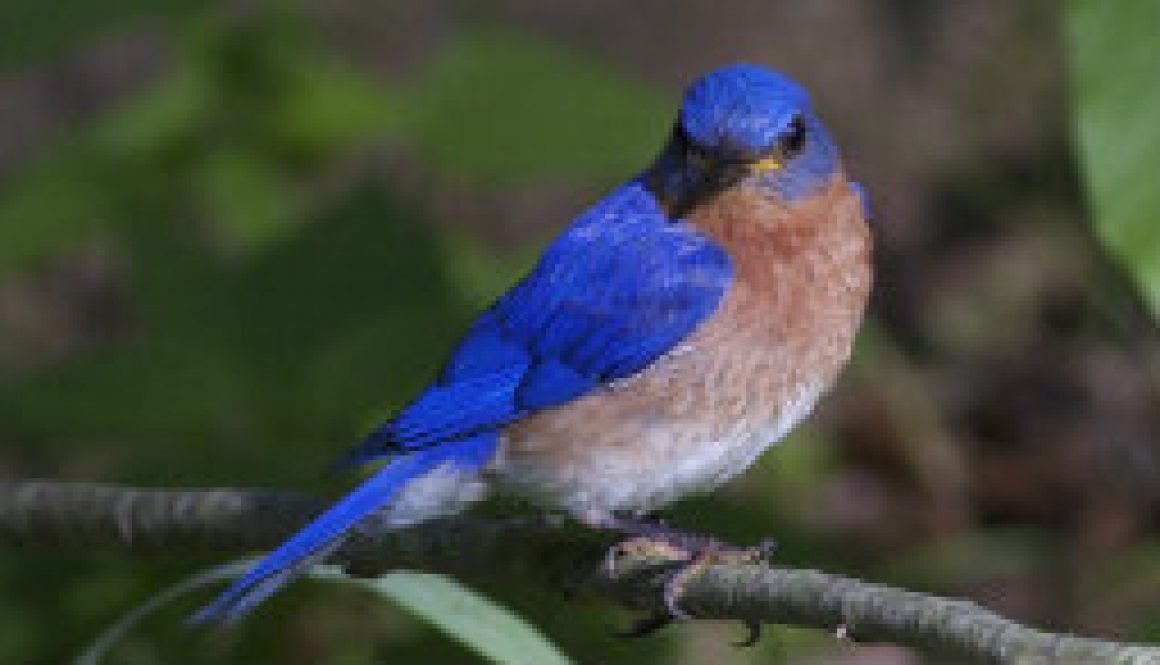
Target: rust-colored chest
[
  {"x": 802, "y": 278},
  {"x": 746, "y": 376}
]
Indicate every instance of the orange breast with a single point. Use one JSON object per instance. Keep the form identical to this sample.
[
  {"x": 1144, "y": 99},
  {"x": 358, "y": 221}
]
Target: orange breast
[{"x": 707, "y": 409}]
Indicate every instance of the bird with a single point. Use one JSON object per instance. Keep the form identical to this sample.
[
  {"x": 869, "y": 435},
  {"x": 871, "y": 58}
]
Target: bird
[{"x": 674, "y": 330}]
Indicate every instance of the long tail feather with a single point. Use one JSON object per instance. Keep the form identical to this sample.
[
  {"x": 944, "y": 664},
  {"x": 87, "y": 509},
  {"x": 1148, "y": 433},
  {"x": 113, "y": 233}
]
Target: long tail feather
[{"x": 321, "y": 537}]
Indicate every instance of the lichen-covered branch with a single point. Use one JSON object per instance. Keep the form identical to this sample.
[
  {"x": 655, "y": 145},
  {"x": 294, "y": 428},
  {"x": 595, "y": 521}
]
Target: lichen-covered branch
[{"x": 237, "y": 520}]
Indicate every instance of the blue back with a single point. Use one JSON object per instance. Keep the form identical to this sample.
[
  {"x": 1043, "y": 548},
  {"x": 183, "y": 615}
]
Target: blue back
[{"x": 617, "y": 290}]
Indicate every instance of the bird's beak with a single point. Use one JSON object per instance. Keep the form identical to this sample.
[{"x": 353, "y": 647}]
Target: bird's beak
[{"x": 767, "y": 164}]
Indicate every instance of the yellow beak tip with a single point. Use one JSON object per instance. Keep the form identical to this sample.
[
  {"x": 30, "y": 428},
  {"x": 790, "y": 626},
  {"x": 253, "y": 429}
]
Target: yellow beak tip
[{"x": 767, "y": 164}]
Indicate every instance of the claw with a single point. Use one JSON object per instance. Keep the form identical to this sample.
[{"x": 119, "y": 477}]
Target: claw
[
  {"x": 679, "y": 580},
  {"x": 690, "y": 554}
]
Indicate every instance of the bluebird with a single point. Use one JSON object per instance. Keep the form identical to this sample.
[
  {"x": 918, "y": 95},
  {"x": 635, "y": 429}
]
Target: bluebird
[{"x": 673, "y": 332}]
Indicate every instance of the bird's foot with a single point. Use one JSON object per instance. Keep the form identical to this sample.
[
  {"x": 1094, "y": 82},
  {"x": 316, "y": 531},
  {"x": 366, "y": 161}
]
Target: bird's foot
[{"x": 690, "y": 554}]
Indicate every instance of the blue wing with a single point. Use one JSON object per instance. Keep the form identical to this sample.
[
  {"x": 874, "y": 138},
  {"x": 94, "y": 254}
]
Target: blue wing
[{"x": 620, "y": 288}]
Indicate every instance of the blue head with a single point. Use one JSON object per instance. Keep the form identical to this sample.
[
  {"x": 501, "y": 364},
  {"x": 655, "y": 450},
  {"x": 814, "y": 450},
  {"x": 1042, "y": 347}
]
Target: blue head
[{"x": 745, "y": 125}]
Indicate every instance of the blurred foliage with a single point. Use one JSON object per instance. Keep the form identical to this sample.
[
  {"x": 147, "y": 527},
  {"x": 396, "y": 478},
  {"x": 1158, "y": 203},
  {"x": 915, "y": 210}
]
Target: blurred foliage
[
  {"x": 481, "y": 625},
  {"x": 31, "y": 30},
  {"x": 1115, "y": 68},
  {"x": 249, "y": 111},
  {"x": 267, "y": 320},
  {"x": 272, "y": 297},
  {"x": 492, "y": 107}
]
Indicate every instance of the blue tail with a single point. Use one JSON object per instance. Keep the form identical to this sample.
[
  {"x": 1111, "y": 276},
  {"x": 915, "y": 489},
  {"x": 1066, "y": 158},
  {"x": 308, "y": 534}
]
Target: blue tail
[{"x": 328, "y": 531}]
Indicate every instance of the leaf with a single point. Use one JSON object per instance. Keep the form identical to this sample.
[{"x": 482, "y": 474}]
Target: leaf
[
  {"x": 487, "y": 628},
  {"x": 480, "y": 624},
  {"x": 1115, "y": 75},
  {"x": 108, "y": 637}
]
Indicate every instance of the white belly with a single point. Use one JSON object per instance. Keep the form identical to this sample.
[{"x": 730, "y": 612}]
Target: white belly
[{"x": 668, "y": 460}]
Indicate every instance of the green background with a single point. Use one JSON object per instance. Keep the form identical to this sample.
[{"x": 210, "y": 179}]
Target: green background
[{"x": 232, "y": 238}]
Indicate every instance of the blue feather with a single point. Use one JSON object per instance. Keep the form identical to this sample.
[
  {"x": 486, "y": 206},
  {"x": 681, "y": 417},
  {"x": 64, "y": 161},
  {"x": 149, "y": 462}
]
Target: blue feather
[
  {"x": 552, "y": 382},
  {"x": 741, "y": 109},
  {"x": 617, "y": 290},
  {"x": 740, "y": 112},
  {"x": 329, "y": 530},
  {"x": 485, "y": 349}
]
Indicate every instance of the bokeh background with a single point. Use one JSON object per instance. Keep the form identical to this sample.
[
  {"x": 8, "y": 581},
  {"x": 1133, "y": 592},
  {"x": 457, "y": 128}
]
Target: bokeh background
[{"x": 235, "y": 235}]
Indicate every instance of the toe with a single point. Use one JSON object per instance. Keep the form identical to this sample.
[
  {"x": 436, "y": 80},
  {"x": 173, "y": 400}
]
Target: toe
[{"x": 675, "y": 586}]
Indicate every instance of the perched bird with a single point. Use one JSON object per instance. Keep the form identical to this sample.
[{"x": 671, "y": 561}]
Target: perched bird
[{"x": 679, "y": 327}]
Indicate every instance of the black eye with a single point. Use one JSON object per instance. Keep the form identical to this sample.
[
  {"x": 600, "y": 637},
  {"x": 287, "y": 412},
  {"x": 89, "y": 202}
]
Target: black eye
[{"x": 794, "y": 139}]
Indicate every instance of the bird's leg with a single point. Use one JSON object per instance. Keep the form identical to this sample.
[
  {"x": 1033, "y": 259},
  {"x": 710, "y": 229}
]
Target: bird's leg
[{"x": 692, "y": 553}]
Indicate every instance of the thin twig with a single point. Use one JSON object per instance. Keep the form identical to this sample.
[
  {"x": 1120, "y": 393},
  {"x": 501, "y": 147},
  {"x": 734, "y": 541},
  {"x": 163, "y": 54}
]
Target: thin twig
[{"x": 235, "y": 520}]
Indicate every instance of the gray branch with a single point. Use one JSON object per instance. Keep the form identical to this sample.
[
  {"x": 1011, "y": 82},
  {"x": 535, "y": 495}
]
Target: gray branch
[{"x": 549, "y": 550}]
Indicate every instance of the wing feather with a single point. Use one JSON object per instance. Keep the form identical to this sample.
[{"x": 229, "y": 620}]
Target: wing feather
[{"x": 615, "y": 292}]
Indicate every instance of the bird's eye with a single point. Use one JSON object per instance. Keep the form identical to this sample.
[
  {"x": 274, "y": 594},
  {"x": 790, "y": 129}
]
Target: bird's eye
[
  {"x": 697, "y": 157},
  {"x": 794, "y": 139}
]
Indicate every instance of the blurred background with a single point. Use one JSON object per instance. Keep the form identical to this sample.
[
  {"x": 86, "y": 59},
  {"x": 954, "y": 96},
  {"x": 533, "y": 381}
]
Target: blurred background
[{"x": 235, "y": 235}]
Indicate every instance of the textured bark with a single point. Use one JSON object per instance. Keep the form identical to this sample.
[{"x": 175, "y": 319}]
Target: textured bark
[{"x": 236, "y": 520}]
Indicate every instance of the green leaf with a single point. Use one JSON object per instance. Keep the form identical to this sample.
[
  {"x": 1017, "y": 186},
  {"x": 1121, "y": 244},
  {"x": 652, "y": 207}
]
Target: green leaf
[
  {"x": 99, "y": 647},
  {"x": 480, "y": 624},
  {"x": 502, "y": 107},
  {"x": 1115, "y": 70}
]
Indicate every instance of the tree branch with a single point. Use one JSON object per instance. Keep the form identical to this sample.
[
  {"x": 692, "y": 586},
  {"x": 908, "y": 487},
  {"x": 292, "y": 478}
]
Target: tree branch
[{"x": 237, "y": 520}]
